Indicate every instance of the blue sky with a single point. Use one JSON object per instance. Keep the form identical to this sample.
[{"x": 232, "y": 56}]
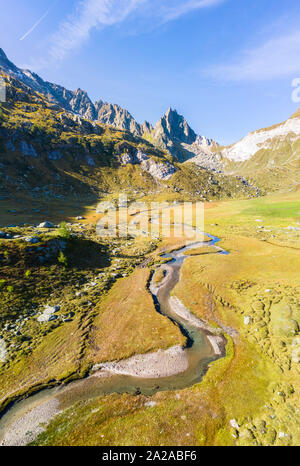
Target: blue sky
[{"x": 227, "y": 65}]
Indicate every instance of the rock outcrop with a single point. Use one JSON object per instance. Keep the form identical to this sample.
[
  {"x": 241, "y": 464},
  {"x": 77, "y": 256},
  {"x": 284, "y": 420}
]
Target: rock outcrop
[
  {"x": 173, "y": 133},
  {"x": 114, "y": 115},
  {"x": 159, "y": 170},
  {"x": 173, "y": 127}
]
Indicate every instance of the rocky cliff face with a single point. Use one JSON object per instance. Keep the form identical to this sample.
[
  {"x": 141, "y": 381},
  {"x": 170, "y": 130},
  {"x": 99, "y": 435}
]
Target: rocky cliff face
[
  {"x": 173, "y": 133},
  {"x": 118, "y": 117},
  {"x": 48, "y": 152},
  {"x": 160, "y": 170},
  {"x": 75, "y": 101},
  {"x": 81, "y": 103},
  {"x": 173, "y": 127},
  {"x": 170, "y": 132}
]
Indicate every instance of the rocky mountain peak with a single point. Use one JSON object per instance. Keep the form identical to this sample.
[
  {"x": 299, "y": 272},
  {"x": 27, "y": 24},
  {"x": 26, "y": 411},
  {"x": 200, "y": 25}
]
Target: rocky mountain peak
[
  {"x": 176, "y": 127},
  {"x": 173, "y": 126},
  {"x": 114, "y": 115},
  {"x": 81, "y": 103},
  {"x": 171, "y": 132},
  {"x": 296, "y": 114},
  {"x": 2, "y": 54},
  {"x": 81, "y": 92},
  {"x": 6, "y": 64},
  {"x": 147, "y": 127}
]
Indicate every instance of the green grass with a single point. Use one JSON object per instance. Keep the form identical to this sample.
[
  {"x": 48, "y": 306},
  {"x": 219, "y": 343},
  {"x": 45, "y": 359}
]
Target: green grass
[{"x": 277, "y": 210}]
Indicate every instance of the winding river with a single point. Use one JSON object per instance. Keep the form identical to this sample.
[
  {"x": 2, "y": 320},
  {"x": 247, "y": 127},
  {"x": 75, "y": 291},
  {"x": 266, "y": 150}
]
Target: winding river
[{"x": 20, "y": 423}]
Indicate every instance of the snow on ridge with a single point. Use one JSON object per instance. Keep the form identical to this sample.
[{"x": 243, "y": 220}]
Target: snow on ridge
[{"x": 253, "y": 142}]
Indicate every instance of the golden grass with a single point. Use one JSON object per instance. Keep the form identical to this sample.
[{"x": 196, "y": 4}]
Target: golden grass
[
  {"x": 253, "y": 384},
  {"x": 57, "y": 357},
  {"x": 200, "y": 251},
  {"x": 128, "y": 324}
]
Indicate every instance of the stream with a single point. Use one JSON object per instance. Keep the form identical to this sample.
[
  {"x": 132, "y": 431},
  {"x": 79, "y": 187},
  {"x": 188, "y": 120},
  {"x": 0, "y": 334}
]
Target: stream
[{"x": 20, "y": 422}]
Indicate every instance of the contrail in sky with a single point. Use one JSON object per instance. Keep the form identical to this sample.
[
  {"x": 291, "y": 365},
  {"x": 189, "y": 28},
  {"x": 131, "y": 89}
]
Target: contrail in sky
[{"x": 38, "y": 22}]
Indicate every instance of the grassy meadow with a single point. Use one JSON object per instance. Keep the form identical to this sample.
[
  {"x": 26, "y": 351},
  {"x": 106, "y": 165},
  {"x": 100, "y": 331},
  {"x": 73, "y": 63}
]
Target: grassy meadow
[{"x": 249, "y": 397}]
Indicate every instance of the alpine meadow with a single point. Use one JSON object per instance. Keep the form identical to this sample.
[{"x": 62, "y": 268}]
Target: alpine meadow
[{"x": 149, "y": 274}]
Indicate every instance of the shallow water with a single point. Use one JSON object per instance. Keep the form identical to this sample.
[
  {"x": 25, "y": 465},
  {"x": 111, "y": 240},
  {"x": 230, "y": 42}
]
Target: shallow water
[{"x": 198, "y": 349}]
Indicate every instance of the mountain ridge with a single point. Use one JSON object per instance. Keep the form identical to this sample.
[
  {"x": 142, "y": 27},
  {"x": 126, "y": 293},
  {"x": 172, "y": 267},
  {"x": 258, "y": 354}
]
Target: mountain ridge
[
  {"x": 50, "y": 153},
  {"x": 171, "y": 129},
  {"x": 268, "y": 157}
]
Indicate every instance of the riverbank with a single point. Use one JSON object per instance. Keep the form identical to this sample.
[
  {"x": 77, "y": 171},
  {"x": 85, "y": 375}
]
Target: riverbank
[
  {"x": 163, "y": 363},
  {"x": 253, "y": 388},
  {"x": 213, "y": 334},
  {"x": 33, "y": 421}
]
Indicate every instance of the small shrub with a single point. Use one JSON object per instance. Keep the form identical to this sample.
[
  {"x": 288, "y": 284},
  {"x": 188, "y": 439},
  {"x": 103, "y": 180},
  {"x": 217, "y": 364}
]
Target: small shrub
[
  {"x": 62, "y": 259},
  {"x": 2, "y": 283},
  {"x": 27, "y": 273},
  {"x": 64, "y": 231},
  {"x": 10, "y": 289}
]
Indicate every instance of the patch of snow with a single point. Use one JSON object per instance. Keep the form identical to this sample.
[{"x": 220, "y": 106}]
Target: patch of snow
[{"x": 253, "y": 142}]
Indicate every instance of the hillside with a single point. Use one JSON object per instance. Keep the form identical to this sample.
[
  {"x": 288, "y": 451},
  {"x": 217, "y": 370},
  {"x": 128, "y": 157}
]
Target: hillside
[
  {"x": 267, "y": 159},
  {"x": 270, "y": 156},
  {"x": 49, "y": 153}
]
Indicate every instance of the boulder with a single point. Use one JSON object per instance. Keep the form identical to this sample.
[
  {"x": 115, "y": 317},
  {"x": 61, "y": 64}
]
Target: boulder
[
  {"x": 90, "y": 161},
  {"x": 54, "y": 155},
  {"x": 32, "y": 239},
  {"x": 46, "y": 224},
  {"x": 48, "y": 314},
  {"x": 28, "y": 149},
  {"x": 234, "y": 424},
  {"x": 247, "y": 320}
]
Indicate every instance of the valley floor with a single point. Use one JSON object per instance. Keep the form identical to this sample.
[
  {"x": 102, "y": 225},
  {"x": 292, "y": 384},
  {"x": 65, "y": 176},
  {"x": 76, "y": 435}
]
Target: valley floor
[{"x": 106, "y": 313}]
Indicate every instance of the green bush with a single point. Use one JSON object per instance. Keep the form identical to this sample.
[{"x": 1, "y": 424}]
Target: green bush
[
  {"x": 2, "y": 283},
  {"x": 62, "y": 259},
  {"x": 64, "y": 231}
]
